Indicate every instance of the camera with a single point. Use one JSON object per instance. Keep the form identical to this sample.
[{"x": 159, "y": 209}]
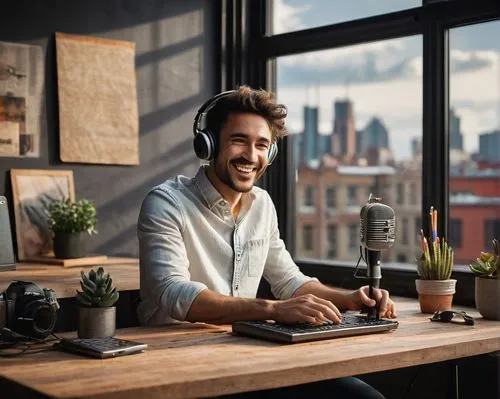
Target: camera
[{"x": 28, "y": 310}]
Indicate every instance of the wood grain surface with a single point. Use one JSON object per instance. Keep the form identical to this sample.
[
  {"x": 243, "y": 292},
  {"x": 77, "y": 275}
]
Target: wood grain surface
[
  {"x": 64, "y": 281},
  {"x": 198, "y": 360}
]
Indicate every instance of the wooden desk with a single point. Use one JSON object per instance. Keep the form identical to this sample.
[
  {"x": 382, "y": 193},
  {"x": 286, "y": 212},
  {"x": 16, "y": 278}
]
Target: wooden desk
[
  {"x": 65, "y": 281},
  {"x": 202, "y": 360}
]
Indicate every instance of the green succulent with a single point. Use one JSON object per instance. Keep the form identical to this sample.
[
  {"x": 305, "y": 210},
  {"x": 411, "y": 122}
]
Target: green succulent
[
  {"x": 436, "y": 262},
  {"x": 488, "y": 264},
  {"x": 97, "y": 289}
]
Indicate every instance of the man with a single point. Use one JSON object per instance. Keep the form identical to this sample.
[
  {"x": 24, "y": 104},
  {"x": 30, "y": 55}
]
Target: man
[{"x": 205, "y": 242}]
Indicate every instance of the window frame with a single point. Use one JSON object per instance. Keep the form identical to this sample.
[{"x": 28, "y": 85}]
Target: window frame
[{"x": 248, "y": 55}]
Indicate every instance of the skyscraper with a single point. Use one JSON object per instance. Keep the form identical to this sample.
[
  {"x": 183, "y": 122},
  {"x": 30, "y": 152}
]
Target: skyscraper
[
  {"x": 309, "y": 143},
  {"x": 374, "y": 135},
  {"x": 456, "y": 138},
  {"x": 344, "y": 132},
  {"x": 489, "y": 144}
]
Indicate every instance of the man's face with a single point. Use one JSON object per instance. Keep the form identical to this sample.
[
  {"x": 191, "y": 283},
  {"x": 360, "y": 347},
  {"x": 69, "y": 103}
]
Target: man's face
[{"x": 244, "y": 143}]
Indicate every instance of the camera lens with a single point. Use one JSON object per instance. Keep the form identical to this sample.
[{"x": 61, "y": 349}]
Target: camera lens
[{"x": 44, "y": 319}]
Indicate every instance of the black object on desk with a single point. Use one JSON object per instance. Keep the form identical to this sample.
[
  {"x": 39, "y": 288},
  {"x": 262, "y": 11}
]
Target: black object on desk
[
  {"x": 102, "y": 348},
  {"x": 447, "y": 316},
  {"x": 352, "y": 324},
  {"x": 7, "y": 258}
]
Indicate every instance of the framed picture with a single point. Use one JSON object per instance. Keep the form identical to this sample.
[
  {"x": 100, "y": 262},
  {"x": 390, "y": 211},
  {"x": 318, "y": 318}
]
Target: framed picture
[{"x": 33, "y": 190}]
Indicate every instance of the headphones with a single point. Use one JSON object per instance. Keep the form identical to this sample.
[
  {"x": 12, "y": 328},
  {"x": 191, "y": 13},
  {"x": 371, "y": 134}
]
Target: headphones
[{"x": 205, "y": 142}]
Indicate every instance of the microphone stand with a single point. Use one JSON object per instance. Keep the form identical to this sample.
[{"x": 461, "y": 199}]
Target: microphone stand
[{"x": 374, "y": 274}]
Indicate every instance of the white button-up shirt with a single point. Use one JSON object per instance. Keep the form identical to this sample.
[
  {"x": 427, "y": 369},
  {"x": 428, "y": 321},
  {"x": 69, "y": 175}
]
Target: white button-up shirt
[{"x": 189, "y": 241}]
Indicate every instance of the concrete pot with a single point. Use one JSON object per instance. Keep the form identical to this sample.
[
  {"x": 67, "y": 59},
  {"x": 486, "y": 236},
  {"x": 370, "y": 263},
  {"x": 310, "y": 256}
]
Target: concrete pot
[
  {"x": 434, "y": 295},
  {"x": 71, "y": 245},
  {"x": 96, "y": 322},
  {"x": 487, "y": 295}
]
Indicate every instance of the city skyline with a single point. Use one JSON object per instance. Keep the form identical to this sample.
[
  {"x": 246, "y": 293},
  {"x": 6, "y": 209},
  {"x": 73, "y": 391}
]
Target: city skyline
[
  {"x": 384, "y": 79},
  {"x": 368, "y": 135}
]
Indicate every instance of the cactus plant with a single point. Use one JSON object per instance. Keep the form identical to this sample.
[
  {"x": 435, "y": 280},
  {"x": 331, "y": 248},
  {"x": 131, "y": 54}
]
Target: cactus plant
[
  {"x": 488, "y": 264},
  {"x": 436, "y": 261},
  {"x": 97, "y": 289}
]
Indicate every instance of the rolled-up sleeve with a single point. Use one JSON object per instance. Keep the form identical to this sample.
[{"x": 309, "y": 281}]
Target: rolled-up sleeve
[
  {"x": 280, "y": 271},
  {"x": 166, "y": 289}
]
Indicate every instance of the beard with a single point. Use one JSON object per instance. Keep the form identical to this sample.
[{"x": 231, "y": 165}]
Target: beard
[{"x": 228, "y": 175}]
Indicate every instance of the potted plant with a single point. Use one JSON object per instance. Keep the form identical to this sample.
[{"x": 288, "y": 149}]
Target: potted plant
[
  {"x": 96, "y": 313},
  {"x": 72, "y": 224},
  {"x": 487, "y": 287},
  {"x": 435, "y": 286}
]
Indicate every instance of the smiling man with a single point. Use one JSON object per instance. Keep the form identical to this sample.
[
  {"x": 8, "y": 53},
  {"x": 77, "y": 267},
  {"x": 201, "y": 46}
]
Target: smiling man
[{"x": 205, "y": 242}]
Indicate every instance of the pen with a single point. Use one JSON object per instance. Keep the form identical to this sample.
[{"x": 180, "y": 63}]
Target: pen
[
  {"x": 431, "y": 223},
  {"x": 435, "y": 222}
]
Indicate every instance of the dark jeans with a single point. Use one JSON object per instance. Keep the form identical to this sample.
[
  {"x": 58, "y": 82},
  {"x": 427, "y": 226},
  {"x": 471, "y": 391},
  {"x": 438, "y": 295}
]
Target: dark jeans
[{"x": 340, "y": 388}]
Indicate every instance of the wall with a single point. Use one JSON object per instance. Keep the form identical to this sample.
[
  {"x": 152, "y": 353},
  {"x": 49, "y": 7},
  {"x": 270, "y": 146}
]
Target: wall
[{"x": 176, "y": 66}]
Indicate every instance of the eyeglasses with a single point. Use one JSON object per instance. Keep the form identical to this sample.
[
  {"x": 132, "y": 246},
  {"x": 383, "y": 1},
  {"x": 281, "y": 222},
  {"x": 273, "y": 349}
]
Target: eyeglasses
[{"x": 448, "y": 315}]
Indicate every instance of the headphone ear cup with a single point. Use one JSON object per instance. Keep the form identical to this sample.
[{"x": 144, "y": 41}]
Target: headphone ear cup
[
  {"x": 204, "y": 145},
  {"x": 273, "y": 151}
]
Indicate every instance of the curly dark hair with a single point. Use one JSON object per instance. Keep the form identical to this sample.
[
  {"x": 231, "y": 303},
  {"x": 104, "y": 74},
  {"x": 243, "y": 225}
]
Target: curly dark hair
[{"x": 246, "y": 99}]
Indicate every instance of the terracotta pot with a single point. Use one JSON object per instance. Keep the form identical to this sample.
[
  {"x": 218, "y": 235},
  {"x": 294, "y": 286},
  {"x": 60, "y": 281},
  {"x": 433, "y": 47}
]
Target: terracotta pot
[
  {"x": 434, "y": 295},
  {"x": 487, "y": 295}
]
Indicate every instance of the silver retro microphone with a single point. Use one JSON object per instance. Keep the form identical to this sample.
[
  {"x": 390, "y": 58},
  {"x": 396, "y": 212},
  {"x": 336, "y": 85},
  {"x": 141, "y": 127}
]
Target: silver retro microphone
[{"x": 378, "y": 231}]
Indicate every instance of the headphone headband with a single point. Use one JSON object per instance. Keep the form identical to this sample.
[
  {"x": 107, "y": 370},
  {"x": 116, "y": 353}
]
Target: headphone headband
[
  {"x": 205, "y": 108},
  {"x": 205, "y": 142}
]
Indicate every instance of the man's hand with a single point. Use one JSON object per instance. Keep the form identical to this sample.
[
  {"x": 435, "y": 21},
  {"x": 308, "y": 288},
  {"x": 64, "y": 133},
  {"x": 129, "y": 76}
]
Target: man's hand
[
  {"x": 358, "y": 298},
  {"x": 306, "y": 308}
]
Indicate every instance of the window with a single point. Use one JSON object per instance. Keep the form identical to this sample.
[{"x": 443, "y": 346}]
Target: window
[
  {"x": 401, "y": 258},
  {"x": 330, "y": 197},
  {"x": 307, "y": 238},
  {"x": 351, "y": 196},
  {"x": 359, "y": 141},
  {"x": 413, "y": 194},
  {"x": 474, "y": 138},
  {"x": 341, "y": 70},
  {"x": 491, "y": 231},
  {"x": 416, "y": 231},
  {"x": 331, "y": 241},
  {"x": 291, "y": 15},
  {"x": 353, "y": 237},
  {"x": 309, "y": 196},
  {"x": 404, "y": 231},
  {"x": 400, "y": 193},
  {"x": 455, "y": 239}
]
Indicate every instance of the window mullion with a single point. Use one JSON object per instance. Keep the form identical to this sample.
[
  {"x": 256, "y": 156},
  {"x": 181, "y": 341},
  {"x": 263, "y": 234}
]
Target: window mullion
[{"x": 435, "y": 165}]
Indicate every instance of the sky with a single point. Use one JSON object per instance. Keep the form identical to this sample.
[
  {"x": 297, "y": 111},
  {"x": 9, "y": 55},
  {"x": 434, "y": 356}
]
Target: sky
[{"x": 384, "y": 79}]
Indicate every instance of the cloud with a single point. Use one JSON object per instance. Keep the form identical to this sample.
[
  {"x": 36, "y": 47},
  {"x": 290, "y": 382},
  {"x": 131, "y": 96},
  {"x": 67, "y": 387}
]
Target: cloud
[
  {"x": 369, "y": 63},
  {"x": 463, "y": 61},
  {"x": 287, "y": 18}
]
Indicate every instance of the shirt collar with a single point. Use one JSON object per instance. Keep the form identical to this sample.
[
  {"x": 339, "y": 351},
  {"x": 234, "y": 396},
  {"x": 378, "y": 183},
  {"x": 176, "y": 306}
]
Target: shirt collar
[{"x": 212, "y": 197}]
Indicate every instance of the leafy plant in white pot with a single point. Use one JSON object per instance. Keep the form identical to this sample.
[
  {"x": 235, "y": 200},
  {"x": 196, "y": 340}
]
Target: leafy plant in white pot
[
  {"x": 487, "y": 288},
  {"x": 96, "y": 313},
  {"x": 72, "y": 222}
]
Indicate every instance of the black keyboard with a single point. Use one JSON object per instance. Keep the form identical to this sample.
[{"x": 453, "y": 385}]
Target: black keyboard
[{"x": 352, "y": 324}]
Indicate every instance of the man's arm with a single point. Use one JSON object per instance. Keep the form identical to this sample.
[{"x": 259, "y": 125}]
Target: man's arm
[
  {"x": 350, "y": 300},
  {"x": 211, "y": 307},
  {"x": 335, "y": 295}
]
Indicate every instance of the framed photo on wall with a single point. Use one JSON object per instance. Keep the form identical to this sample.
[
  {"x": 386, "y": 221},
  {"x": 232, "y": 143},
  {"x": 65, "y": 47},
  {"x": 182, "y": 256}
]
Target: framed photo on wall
[{"x": 33, "y": 190}]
